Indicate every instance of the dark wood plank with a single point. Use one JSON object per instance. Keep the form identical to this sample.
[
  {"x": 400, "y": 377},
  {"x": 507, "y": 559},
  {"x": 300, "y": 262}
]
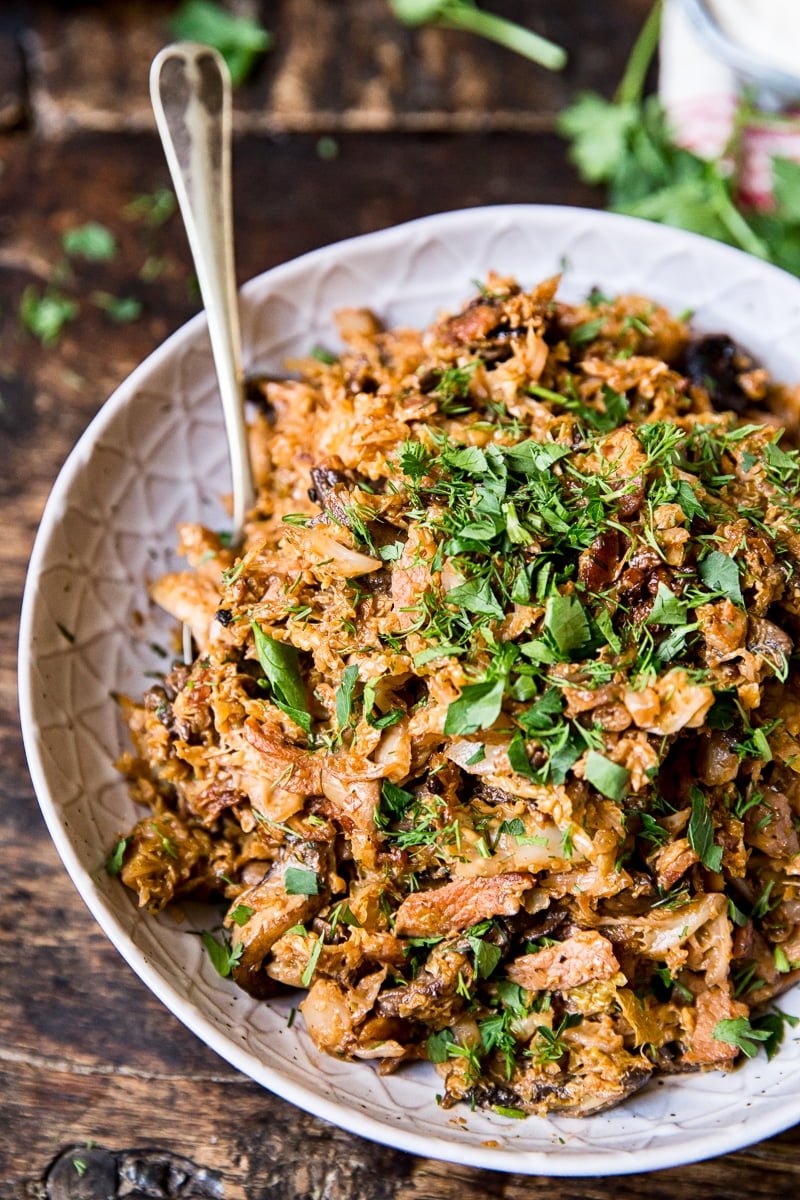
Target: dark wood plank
[{"x": 390, "y": 77}]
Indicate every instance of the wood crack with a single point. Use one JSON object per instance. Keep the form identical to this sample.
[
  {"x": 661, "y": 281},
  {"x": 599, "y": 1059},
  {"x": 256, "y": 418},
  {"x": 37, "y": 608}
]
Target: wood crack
[{"x": 63, "y": 1066}]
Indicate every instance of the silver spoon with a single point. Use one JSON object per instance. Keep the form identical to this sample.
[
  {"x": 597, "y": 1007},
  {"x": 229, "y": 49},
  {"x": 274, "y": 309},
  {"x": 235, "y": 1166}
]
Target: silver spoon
[{"x": 190, "y": 90}]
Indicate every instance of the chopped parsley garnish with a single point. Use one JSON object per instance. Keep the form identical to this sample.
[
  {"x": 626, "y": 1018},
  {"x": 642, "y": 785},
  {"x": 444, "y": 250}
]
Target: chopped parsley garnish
[
  {"x": 566, "y": 622},
  {"x": 45, "y": 314},
  {"x": 242, "y": 914},
  {"x": 549, "y": 1045},
  {"x": 92, "y": 241},
  {"x": 223, "y": 955},
  {"x": 701, "y": 832},
  {"x": 344, "y": 697},
  {"x": 478, "y": 707},
  {"x": 280, "y": 663},
  {"x": 311, "y": 965},
  {"x": 738, "y": 1032},
  {"x": 299, "y": 881},
  {"x": 610, "y": 779},
  {"x": 720, "y": 573}
]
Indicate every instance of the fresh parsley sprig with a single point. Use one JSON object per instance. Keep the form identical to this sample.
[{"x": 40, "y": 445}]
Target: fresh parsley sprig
[
  {"x": 627, "y": 144},
  {"x": 465, "y": 15}
]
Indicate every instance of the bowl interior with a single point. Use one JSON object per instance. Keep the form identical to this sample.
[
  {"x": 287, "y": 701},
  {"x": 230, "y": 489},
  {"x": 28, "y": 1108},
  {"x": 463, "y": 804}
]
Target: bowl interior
[{"x": 155, "y": 455}]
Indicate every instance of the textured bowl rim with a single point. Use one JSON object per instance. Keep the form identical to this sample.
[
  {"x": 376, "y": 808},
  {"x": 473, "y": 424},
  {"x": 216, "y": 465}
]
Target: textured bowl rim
[{"x": 751, "y": 1128}]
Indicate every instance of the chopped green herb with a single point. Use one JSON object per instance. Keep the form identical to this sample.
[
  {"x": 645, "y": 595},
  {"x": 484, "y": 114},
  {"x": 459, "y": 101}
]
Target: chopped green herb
[
  {"x": 720, "y": 573},
  {"x": 487, "y": 956},
  {"x": 581, "y": 335},
  {"x": 566, "y": 622},
  {"x": 667, "y": 608},
  {"x": 153, "y": 208},
  {"x": 609, "y": 779},
  {"x": 438, "y": 1044},
  {"x": 774, "y": 1025},
  {"x": 45, "y": 314},
  {"x": 324, "y": 356},
  {"x": 701, "y": 832},
  {"x": 478, "y": 707},
  {"x": 224, "y": 956},
  {"x": 92, "y": 241},
  {"x": 242, "y": 914},
  {"x": 344, "y": 697},
  {"x": 299, "y": 881},
  {"x": 120, "y": 309},
  {"x": 280, "y": 663},
  {"x": 311, "y": 965},
  {"x": 117, "y": 857},
  {"x": 738, "y": 1032}
]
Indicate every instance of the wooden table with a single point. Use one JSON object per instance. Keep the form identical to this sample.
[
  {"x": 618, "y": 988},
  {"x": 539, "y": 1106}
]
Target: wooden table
[{"x": 421, "y": 122}]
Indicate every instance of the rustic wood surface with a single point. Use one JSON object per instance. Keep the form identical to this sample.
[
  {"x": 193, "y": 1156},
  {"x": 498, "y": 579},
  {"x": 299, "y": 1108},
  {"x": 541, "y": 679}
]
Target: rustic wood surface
[{"x": 423, "y": 121}]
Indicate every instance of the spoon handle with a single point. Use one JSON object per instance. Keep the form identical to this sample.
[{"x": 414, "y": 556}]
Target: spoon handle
[{"x": 190, "y": 90}]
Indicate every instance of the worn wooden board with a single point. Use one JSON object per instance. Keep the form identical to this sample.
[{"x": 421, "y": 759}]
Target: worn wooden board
[
  {"x": 86, "y": 1053},
  {"x": 391, "y": 76}
]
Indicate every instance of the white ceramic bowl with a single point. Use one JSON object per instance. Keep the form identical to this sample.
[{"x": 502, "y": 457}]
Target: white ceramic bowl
[{"x": 154, "y": 455}]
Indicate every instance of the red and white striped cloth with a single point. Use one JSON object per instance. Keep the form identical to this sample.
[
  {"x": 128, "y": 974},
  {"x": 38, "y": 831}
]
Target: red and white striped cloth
[{"x": 700, "y": 95}]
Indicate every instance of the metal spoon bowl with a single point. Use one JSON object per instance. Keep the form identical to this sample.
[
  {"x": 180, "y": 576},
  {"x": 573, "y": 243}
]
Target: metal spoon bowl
[{"x": 190, "y": 90}]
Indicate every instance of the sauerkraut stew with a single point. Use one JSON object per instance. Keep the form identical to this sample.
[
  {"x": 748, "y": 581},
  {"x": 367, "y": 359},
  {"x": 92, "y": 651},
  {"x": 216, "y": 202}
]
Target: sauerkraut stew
[{"x": 491, "y": 743}]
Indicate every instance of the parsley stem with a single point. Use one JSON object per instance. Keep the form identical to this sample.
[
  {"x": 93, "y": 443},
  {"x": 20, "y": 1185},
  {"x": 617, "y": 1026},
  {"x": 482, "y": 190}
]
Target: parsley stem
[
  {"x": 631, "y": 85},
  {"x": 737, "y": 226},
  {"x": 506, "y": 33}
]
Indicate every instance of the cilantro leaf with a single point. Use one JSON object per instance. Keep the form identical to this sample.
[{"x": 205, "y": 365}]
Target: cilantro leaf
[
  {"x": 280, "y": 663},
  {"x": 477, "y": 707},
  {"x": 515, "y": 827},
  {"x": 299, "y": 881},
  {"x": 470, "y": 459},
  {"x": 487, "y": 956},
  {"x": 476, "y": 596},
  {"x": 223, "y": 956},
  {"x": 395, "y": 800},
  {"x": 437, "y": 1045},
  {"x": 609, "y": 779},
  {"x": 566, "y": 622},
  {"x": 534, "y": 458},
  {"x": 539, "y": 715},
  {"x": 91, "y": 241},
  {"x": 599, "y": 131},
  {"x": 240, "y": 40},
  {"x": 344, "y": 696},
  {"x": 442, "y": 650},
  {"x": 667, "y": 608},
  {"x": 737, "y": 1031},
  {"x": 720, "y": 573},
  {"x": 242, "y": 914},
  {"x": 701, "y": 832},
  {"x": 686, "y": 497},
  {"x": 518, "y": 757}
]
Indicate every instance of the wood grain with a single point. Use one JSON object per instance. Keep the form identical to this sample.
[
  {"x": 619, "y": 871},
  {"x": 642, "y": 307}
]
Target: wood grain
[
  {"x": 391, "y": 76},
  {"x": 87, "y": 1055}
]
